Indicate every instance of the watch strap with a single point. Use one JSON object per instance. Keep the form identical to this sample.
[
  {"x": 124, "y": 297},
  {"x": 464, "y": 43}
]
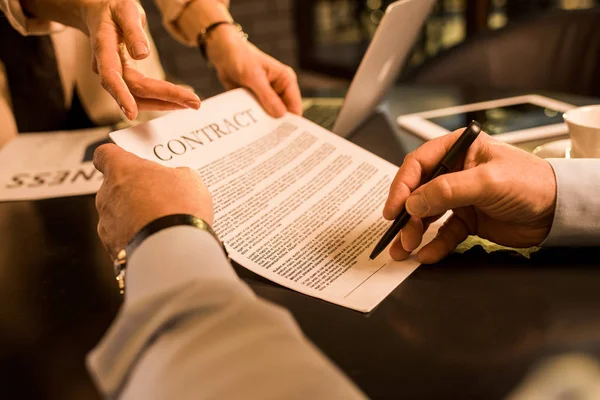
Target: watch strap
[
  {"x": 159, "y": 224},
  {"x": 168, "y": 221},
  {"x": 205, "y": 33}
]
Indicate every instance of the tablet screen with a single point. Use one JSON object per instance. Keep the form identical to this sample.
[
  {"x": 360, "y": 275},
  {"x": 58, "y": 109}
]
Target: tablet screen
[{"x": 511, "y": 118}]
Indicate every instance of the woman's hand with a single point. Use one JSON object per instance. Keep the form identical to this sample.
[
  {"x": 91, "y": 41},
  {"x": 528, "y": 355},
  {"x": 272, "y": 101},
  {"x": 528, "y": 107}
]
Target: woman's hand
[
  {"x": 241, "y": 64},
  {"x": 116, "y": 30},
  {"x": 117, "y": 35}
]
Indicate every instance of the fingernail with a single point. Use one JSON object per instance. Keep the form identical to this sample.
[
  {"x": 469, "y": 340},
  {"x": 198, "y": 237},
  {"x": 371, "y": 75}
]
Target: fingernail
[
  {"x": 405, "y": 243},
  {"x": 192, "y": 104},
  {"x": 139, "y": 49},
  {"x": 417, "y": 205}
]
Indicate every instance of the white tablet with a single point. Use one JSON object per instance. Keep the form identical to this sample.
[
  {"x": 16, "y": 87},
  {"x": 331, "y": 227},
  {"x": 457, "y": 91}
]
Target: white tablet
[{"x": 511, "y": 120}]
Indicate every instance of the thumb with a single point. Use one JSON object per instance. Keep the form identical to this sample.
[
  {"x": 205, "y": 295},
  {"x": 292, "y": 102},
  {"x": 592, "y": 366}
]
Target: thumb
[
  {"x": 447, "y": 192},
  {"x": 109, "y": 156}
]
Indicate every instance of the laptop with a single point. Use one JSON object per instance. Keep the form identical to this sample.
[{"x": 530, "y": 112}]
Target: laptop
[{"x": 377, "y": 71}]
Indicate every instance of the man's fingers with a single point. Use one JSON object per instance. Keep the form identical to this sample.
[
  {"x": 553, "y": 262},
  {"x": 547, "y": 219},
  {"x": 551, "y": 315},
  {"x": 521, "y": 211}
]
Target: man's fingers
[
  {"x": 415, "y": 168},
  {"x": 267, "y": 96},
  {"x": 397, "y": 252},
  {"x": 101, "y": 197},
  {"x": 103, "y": 155},
  {"x": 105, "y": 47},
  {"x": 412, "y": 234},
  {"x": 450, "y": 235},
  {"x": 130, "y": 18},
  {"x": 447, "y": 192},
  {"x": 411, "y": 237},
  {"x": 395, "y": 201},
  {"x": 107, "y": 156}
]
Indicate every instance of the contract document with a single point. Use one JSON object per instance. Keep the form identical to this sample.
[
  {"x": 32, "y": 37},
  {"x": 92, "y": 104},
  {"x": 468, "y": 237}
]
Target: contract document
[{"x": 293, "y": 202}]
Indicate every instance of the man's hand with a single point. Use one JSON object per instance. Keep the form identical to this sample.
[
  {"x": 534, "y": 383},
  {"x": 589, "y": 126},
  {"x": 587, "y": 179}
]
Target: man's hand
[
  {"x": 136, "y": 192},
  {"x": 241, "y": 64},
  {"x": 116, "y": 31},
  {"x": 501, "y": 193}
]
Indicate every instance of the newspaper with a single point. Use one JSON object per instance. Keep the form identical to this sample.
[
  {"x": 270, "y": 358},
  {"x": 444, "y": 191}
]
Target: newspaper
[
  {"x": 293, "y": 202},
  {"x": 54, "y": 164}
]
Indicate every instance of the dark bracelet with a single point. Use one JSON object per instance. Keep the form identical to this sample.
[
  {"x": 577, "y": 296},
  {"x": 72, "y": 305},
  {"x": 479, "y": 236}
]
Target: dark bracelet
[
  {"x": 203, "y": 35},
  {"x": 150, "y": 229}
]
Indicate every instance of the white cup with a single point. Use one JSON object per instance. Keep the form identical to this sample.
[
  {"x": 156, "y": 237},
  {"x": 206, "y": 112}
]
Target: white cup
[{"x": 584, "y": 129}]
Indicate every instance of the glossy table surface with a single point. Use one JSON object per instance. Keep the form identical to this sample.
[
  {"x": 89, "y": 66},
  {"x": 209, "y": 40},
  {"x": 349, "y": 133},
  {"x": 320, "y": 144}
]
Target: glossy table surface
[{"x": 470, "y": 327}]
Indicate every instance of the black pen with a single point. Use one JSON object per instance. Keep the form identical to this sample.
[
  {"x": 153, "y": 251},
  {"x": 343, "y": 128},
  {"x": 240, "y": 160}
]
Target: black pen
[{"x": 458, "y": 149}]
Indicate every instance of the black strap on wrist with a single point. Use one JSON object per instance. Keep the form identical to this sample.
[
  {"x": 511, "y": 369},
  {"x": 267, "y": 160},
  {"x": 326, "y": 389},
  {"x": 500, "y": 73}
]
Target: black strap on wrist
[
  {"x": 204, "y": 34},
  {"x": 169, "y": 221}
]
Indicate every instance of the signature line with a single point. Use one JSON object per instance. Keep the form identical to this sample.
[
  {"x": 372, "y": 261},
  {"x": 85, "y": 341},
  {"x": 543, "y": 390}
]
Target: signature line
[{"x": 366, "y": 279}]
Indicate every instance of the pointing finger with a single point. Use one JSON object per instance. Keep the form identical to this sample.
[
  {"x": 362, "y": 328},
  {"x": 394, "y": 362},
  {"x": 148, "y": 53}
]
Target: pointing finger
[{"x": 105, "y": 47}]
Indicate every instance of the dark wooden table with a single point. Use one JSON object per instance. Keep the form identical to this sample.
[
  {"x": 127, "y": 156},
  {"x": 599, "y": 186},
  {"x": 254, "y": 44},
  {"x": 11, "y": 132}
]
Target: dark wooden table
[{"x": 470, "y": 327}]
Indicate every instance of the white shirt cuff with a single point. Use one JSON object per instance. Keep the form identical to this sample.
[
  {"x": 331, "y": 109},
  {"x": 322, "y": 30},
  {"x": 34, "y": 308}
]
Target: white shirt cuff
[
  {"x": 26, "y": 25},
  {"x": 577, "y": 214}
]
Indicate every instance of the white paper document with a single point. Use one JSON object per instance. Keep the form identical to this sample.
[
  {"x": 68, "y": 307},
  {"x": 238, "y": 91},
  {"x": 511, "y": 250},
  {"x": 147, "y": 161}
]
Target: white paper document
[
  {"x": 293, "y": 202},
  {"x": 54, "y": 164}
]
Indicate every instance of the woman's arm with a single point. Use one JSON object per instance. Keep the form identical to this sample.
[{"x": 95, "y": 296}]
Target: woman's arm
[
  {"x": 238, "y": 63},
  {"x": 117, "y": 35}
]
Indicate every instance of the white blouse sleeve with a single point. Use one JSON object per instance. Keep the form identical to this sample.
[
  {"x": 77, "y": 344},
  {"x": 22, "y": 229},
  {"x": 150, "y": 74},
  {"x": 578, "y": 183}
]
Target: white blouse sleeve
[{"x": 25, "y": 24}]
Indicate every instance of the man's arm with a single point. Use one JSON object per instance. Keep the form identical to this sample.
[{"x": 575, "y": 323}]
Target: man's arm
[
  {"x": 190, "y": 328},
  {"x": 501, "y": 193},
  {"x": 577, "y": 215}
]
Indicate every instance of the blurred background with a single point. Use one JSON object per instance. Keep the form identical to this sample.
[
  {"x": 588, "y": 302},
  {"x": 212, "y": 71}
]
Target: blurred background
[{"x": 324, "y": 40}]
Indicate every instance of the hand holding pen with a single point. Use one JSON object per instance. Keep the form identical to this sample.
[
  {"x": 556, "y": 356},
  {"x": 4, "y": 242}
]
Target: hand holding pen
[{"x": 497, "y": 191}]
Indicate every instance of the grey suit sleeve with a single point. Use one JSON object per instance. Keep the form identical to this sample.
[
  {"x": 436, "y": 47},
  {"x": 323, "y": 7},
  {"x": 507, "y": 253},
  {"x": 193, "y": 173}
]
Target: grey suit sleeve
[
  {"x": 191, "y": 329},
  {"x": 577, "y": 215}
]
